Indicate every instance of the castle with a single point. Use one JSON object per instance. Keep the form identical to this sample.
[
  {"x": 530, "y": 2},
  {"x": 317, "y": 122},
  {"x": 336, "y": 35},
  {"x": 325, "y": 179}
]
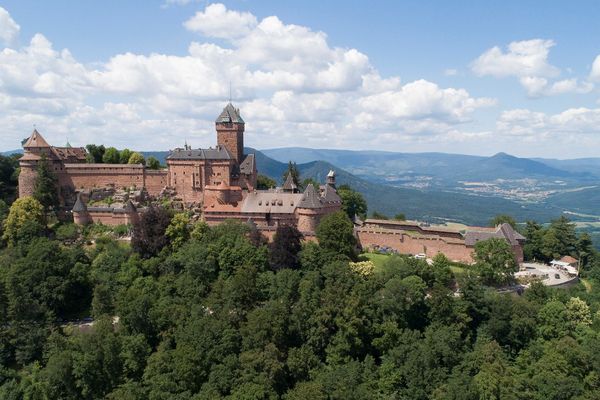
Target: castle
[{"x": 219, "y": 183}]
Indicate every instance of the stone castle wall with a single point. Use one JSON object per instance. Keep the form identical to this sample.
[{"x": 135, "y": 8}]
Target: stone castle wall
[
  {"x": 404, "y": 243},
  {"x": 89, "y": 176}
]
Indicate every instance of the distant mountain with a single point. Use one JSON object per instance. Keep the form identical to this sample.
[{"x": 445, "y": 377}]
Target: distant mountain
[
  {"x": 11, "y": 152},
  {"x": 434, "y": 206},
  {"x": 444, "y": 170},
  {"x": 505, "y": 166}
]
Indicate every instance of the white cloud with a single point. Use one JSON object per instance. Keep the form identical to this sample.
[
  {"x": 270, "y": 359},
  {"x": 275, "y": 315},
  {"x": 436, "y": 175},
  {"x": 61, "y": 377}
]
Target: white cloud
[
  {"x": 293, "y": 88},
  {"x": 217, "y": 21},
  {"x": 595, "y": 72},
  {"x": 528, "y": 61},
  {"x": 572, "y": 124},
  {"x": 523, "y": 58},
  {"x": 9, "y": 29}
]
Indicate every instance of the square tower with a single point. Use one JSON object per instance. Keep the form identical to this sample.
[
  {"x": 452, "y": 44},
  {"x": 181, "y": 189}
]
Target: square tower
[{"x": 230, "y": 131}]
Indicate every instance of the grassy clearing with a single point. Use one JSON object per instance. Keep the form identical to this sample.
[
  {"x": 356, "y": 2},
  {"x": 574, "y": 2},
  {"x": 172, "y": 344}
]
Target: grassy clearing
[{"x": 377, "y": 259}]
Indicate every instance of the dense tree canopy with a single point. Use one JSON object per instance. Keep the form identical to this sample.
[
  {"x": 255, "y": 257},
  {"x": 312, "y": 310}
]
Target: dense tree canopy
[{"x": 215, "y": 314}]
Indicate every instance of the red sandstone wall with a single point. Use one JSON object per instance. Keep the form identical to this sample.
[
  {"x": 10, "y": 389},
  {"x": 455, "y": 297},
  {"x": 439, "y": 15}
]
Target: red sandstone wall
[
  {"x": 155, "y": 181},
  {"x": 87, "y": 176},
  {"x": 109, "y": 218},
  {"x": 406, "y": 244}
]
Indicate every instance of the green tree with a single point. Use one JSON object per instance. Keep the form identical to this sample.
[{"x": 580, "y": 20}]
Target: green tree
[
  {"x": 400, "y": 217},
  {"x": 124, "y": 156},
  {"x": 378, "y": 215},
  {"x": 136, "y": 158},
  {"x": 46, "y": 185},
  {"x": 560, "y": 238},
  {"x": 353, "y": 203},
  {"x": 293, "y": 170},
  {"x": 503, "y": 219},
  {"x": 111, "y": 156},
  {"x": 533, "y": 248},
  {"x": 95, "y": 153},
  {"x": 263, "y": 182},
  {"x": 148, "y": 236},
  {"x": 8, "y": 177},
  {"x": 179, "y": 229},
  {"x": 25, "y": 220},
  {"x": 153, "y": 163},
  {"x": 336, "y": 233},
  {"x": 495, "y": 261},
  {"x": 284, "y": 250}
]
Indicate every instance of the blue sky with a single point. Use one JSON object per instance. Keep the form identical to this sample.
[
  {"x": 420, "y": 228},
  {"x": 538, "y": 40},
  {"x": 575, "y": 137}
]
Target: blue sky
[{"x": 463, "y": 76}]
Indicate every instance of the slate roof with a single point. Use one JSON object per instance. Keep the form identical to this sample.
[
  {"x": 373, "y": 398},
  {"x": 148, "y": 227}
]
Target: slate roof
[
  {"x": 289, "y": 185},
  {"x": 247, "y": 166},
  {"x": 504, "y": 231},
  {"x": 330, "y": 195},
  {"x": 218, "y": 153},
  {"x": 79, "y": 205},
  {"x": 230, "y": 114},
  {"x": 310, "y": 198},
  {"x": 271, "y": 202}
]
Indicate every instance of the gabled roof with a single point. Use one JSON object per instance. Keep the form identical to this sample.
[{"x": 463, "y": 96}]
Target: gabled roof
[
  {"x": 230, "y": 114},
  {"x": 504, "y": 231},
  {"x": 35, "y": 140},
  {"x": 310, "y": 198},
  {"x": 218, "y": 153},
  {"x": 79, "y": 205},
  {"x": 271, "y": 202}
]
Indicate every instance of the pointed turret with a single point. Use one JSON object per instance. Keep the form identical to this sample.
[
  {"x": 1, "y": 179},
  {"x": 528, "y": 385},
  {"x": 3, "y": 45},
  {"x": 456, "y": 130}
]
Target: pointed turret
[
  {"x": 35, "y": 140},
  {"x": 81, "y": 215},
  {"x": 310, "y": 199},
  {"x": 230, "y": 114},
  {"x": 289, "y": 185}
]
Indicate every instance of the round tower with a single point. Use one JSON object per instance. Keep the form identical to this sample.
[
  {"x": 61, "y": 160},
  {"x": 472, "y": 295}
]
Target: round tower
[{"x": 81, "y": 215}]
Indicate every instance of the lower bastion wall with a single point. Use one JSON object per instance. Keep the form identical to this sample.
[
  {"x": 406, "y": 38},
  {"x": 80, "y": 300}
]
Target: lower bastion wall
[{"x": 403, "y": 243}]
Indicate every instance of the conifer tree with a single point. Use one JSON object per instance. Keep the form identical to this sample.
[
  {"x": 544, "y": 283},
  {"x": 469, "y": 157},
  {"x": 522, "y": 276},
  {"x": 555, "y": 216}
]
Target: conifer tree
[{"x": 45, "y": 186}]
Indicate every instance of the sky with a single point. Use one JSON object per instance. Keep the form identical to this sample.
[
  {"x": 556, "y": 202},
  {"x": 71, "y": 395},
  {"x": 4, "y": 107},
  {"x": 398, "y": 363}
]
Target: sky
[{"x": 470, "y": 77}]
